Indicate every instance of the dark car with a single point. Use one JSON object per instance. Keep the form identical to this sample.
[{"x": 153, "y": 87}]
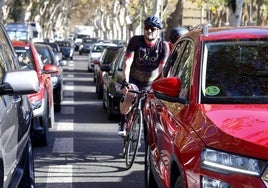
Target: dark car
[
  {"x": 67, "y": 49},
  {"x": 55, "y": 48},
  {"x": 207, "y": 121},
  {"x": 85, "y": 45},
  {"x": 48, "y": 58},
  {"x": 111, "y": 85},
  {"x": 17, "y": 165},
  {"x": 103, "y": 65}
]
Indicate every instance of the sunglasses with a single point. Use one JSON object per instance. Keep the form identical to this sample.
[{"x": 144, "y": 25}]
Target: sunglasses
[{"x": 147, "y": 28}]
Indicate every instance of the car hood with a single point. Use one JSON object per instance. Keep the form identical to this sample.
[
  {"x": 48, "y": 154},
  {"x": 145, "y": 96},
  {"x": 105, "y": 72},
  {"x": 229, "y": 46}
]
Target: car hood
[{"x": 237, "y": 128}]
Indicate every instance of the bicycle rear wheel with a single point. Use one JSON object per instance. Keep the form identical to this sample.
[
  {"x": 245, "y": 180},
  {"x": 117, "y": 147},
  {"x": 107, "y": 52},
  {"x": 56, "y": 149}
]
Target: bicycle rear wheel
[{"x": 133, "y": 139}]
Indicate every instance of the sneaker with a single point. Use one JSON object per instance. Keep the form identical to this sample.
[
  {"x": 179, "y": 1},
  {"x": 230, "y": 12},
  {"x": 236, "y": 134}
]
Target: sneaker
[{"x": 122, "y": 130}]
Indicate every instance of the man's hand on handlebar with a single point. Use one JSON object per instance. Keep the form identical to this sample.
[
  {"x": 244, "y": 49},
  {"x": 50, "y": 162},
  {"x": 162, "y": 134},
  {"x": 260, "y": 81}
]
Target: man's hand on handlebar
[{"x": 124, "y": 86}]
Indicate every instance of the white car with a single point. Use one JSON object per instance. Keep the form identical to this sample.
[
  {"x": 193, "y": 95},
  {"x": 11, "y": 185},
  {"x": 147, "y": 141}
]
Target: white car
[{"x": 95, "y": 53}]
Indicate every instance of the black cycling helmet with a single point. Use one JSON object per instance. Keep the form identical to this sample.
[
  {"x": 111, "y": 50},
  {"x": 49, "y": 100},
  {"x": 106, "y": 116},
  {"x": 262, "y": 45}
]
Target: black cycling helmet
[
  {"x": 176, "y": 33},
  {"x": 153, "y": 21}
]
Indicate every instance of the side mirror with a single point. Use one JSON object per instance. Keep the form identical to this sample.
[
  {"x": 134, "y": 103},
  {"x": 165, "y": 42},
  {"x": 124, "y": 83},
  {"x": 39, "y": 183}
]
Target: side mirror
[
  {"x": 168, "y": 89},
  {"x": 50, "y": 69}
]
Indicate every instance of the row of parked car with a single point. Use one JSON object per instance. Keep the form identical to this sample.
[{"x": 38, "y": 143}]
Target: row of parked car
[
  {"x": 206, "y": 118},
  {"x": 30, "y": 90}
]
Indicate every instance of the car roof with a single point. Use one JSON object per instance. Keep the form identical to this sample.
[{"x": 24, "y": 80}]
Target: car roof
[
  {"x": 104, "y": 44},
  {"x": 206, "y": 33}
]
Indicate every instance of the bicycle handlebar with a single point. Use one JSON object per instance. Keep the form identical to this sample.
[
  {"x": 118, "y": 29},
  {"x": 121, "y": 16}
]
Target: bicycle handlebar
[{"x": 138, "y": 91}]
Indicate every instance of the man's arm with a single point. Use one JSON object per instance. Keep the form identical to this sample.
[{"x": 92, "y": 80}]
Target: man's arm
[
  {"x": 128, "y": 59},
  {"x": 166, "y": 52}
]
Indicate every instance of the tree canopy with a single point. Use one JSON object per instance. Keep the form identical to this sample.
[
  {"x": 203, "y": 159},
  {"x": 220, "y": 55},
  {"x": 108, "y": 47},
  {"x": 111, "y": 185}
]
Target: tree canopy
[{"x": 119, "y": 19}]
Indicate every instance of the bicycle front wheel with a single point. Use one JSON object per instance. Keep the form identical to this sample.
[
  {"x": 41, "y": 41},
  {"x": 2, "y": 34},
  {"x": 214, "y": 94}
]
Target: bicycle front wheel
[{"x": 133, "y": 139}]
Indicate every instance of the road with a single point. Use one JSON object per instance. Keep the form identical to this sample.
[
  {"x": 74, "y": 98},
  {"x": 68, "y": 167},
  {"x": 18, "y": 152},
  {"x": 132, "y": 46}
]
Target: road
[{"x": 84, "y": 148}]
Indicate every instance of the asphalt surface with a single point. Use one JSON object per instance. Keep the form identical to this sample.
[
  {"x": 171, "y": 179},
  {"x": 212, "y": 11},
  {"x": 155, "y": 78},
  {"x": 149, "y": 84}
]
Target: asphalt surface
[{"x": 84, "y": 148}]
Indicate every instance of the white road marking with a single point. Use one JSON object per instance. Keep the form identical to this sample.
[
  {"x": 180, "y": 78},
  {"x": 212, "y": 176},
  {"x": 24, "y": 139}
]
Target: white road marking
[
  {"x": 63, "y": 146},
  {"x": 68, "y": 88},
  {"x": 60, "y": 174}
]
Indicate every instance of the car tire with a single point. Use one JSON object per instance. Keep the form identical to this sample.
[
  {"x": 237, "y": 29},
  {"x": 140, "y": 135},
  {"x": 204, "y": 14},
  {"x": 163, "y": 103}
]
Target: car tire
[
  {"x": 43, "y": 139},
  {"x": 2, "y": 174},
  {"x": 59, "y": 93},
  {"x": 104, "y": 101},
  {"x": 71, "y": 58},
  {"x": 28, "y": 176},
  {"x": 148, "y": 174},
  {"x": 57, "y": 107},
  {"x": 51, "y": 117},
  {"x": 99, "y": 89},
  {"x": 80, "y": 53},
  {"x": 110, "y": 113}
]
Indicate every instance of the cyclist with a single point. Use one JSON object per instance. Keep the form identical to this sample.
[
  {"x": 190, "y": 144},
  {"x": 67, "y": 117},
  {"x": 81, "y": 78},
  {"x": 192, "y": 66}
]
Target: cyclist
[{"x": 143, "y": 62}]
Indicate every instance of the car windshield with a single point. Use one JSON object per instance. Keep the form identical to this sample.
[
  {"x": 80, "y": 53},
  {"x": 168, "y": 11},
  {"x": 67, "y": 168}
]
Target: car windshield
[
  {"x": 235, "y": 72},
  {"x": 25, "y": 58},
  {"x": 98, "y": 48},
  {"x": 18, "y": 35},
  {"x": 45, "y": 55},
  {"x": 85, "y": 40},
  {"x": 64, "y": 44}
]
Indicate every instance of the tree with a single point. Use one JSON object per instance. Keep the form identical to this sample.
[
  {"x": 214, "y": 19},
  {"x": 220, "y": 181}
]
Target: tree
[{"x": 236, "y": 7}]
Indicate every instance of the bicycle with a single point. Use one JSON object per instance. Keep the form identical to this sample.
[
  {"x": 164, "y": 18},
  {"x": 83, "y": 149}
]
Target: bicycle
[{"x": 134, "y": 125}]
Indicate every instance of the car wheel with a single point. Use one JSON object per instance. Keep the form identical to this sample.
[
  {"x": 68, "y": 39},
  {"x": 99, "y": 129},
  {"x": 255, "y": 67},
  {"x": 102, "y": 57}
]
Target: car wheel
[
  {"x": 80, "y": 53},
  {"x": 148, "y": 175},
  {"x": 71, "y": 58},
  {"x": 51, "y": 117},
  {"x": 2, "y": 174},
  {"x": 104, "y": 100},
  {"x": 57, "y": 106},
  {"x": 45, "y": 124},
  {"x": 110, "y": 113},
  {"x": 100, "y": 93},
  {"x": 28, "y": 176}
]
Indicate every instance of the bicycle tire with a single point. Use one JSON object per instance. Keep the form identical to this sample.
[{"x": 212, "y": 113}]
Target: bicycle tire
[{"x": 133, "y": 139}]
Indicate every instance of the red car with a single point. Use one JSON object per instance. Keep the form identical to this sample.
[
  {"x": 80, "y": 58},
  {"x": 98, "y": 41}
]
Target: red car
[
  {"x": 42, "y": 101},
  {"x": 207, "y": 119}
]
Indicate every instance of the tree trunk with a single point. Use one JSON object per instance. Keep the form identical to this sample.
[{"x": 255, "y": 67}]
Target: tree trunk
[
  {"x": 236, "y": 6},
  {"x": 175, "y": 18}
]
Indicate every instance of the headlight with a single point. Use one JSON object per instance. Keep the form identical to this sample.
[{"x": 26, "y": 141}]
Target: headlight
[
  {"x": 230, "y": 163},
  {"x": 265, "y": 177},
  {"x": 54, "y": 80}
]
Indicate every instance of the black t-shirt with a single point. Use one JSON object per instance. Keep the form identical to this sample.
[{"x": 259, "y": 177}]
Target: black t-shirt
[{"x": 144, "y": 68}]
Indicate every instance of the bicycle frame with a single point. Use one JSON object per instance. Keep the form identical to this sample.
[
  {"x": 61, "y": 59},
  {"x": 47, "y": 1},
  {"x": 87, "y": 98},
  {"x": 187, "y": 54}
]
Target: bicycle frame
[{"x": 133, "y": 138}]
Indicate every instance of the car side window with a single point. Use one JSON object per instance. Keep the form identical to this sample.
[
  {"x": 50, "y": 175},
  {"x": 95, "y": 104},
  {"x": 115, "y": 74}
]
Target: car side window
[
  {"x": 183, "y": 66},
  {"x": 173, "y": 59},
  {"x": 109, "y": 56},
  {"x": 6, "y": 51},
  {"x": 2, "y": 68}
]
